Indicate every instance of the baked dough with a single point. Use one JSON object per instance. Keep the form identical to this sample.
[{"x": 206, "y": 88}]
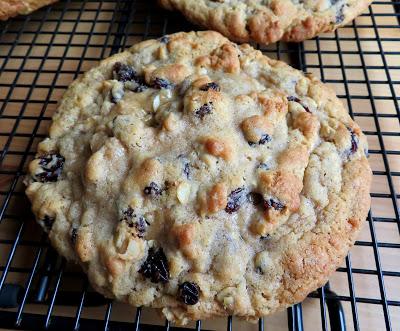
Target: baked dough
[
  {"x": 11, "y": 8},
  {"x": 202, "y": 178},
  {"x": 268, "y": 21}
]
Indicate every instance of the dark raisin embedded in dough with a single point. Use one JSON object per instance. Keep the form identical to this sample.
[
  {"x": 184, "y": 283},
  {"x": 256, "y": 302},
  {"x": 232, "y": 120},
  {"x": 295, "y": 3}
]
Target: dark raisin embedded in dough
[
  {"x": 128, "y": 213},
  {"x": 204, "y": 110},
  {"x": 48, "y": 222},
  {"x": 186, "y": 169},
  {"x": 296, "y": 99},
  {"x": 74, "y": 235},
  {"x": 132, "y": 220},
  {"x": 123, "y": 72},
  {"x": 255, "y": 198},
  {"x": 52, "y": 165},
  {"x": 263, "y": 140},
  {"x": 156, "y": 266},
  {"x": 189, "y": 293},
  {"x": 293, "y": 98},
  {"x": 141, "y": 225},
  {"x": 162, "y": 83},
  {"x": 339, "y": 16},
  {"x": 266, "y": 237},
  {"x": 137, "y": 85},
  {"x": 210, "y": 86},
  {"x": 263, "y": 166},
  {"x": 127, "y": 216},
  {"x": 273, "y": 203},
  {"x": 164, "y": 39},
  {"x": 153, "y": 189},
  {"x": 235, "y": 200},
  {"x": 354, "y": 141}
]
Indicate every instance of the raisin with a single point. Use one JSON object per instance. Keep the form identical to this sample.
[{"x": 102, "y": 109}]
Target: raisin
[
  {"x": 255, "y": 198},
  {"x": 210, "y": 86},
  {"x": 185, "y": 165},
  {"x": 263, "y": 166},
  {"x": 141, "y": 226},
  {"x": 354, "y": 141},
  {"x": 186, "y": 169},
  {"x": 127, "y": 216},
  {"x": 263, "y": 140},
  {"x": 123, "y": 72},
  {"x": 266, "y": 237},
  {"x": 189, "y": 293},
  {"x": 130, "y": 218},
  {"x": 52, "y": 165},
  {"x": 273, "y": 203},
  {"x": 128, "y": 213},
  {"x": 156, "y": 266},
  {"x": 164, "y": 39},
  {"x": 295, "y": 99},
  {"x": 162, "y": 83},
  {"x": 204, "y": 110},
  {"x": 74, "y": 235},
  {"x": 48, "y": 222},
  {"x": 339, "y": 16},
  {"x": 235, "y": 199},
  {"x": 153, "y": 189}
]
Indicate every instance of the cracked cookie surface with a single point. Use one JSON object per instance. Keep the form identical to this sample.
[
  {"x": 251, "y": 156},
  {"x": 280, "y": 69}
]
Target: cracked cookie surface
[
  {"x": 202, "y": 178},
  {"x": 268, "y": 21}
]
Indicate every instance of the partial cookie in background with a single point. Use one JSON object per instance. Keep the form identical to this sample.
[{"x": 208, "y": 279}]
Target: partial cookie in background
[
  {"x": 11, "y": 8},
  {"x": 200, "y": 177},
  {"x": 268, "y": 21}
]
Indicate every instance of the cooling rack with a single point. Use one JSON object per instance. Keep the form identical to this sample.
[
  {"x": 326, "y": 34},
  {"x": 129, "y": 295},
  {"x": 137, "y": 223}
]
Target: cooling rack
[{"x": 42, "y": 53}]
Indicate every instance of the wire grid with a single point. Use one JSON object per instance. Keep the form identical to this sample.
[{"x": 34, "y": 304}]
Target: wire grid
[{"x": 42, "y": 53}]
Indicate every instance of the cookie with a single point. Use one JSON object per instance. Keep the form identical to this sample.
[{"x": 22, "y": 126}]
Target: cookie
[
  {"x": 11, "y": 8},
  {"x": 269, "y": 21},
  {"x": 202, "y": 178}
]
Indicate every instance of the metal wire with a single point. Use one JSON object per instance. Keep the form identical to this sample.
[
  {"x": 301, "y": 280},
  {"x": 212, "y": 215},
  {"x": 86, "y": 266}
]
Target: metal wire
[
  {"x": 107, "y": 316},
  {"x": 63, "y": 40}
]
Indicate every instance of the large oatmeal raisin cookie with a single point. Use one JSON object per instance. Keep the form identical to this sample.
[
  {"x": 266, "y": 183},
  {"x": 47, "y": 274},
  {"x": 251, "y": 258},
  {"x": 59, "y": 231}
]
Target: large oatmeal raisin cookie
[{"x": 201, "y": 177}]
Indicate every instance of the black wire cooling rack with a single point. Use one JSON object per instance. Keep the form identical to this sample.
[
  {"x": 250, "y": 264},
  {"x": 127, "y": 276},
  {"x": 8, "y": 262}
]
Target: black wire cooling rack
[{"x": 42, "y": 53}]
